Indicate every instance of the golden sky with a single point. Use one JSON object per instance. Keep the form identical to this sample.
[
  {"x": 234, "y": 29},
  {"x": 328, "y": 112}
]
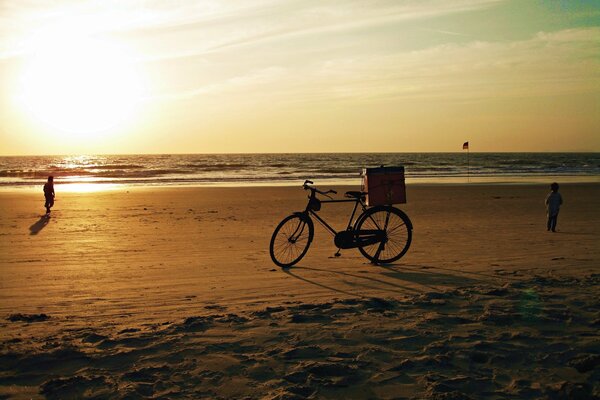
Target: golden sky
[{"x": 149, "y": 76}]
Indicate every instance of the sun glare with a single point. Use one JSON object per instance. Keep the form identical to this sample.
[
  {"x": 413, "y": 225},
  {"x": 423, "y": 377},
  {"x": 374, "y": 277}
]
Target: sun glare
[{"x": 80, "y": 85}]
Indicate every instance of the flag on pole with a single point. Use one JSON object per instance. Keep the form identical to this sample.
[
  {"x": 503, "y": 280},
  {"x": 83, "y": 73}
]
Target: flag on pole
[{"x": 466, "y": 146}]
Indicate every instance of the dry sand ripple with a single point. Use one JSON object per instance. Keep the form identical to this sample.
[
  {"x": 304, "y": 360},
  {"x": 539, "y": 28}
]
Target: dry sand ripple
[{"x": 525, "y": 339}]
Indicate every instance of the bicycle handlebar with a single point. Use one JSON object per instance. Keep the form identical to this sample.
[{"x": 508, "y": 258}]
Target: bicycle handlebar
[{"x": 306, "y": 186}]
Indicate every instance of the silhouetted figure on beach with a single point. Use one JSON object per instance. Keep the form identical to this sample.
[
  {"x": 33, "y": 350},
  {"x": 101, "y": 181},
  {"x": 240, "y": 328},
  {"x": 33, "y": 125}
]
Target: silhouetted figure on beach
[
  {"x": 553, "y": 202},
  {"x": 49, "y": 194}
]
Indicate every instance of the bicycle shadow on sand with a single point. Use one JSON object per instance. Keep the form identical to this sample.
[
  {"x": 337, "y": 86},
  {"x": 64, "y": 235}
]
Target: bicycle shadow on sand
[
  {"x": 417, "y": 272},
  {"x": 292, "y": 272},
  {"x": 397, "y": 279},
  {"x": 399, "y": 283},
  {"x": 39, "y": 225},
  {"x": 429, "y": 277}
]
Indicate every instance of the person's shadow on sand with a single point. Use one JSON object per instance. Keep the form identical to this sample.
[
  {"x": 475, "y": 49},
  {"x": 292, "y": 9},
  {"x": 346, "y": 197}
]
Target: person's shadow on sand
[{"x": 39, "y": 225}]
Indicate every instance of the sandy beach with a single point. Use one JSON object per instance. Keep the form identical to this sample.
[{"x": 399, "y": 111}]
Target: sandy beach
[{"x": 171, "y": 293}]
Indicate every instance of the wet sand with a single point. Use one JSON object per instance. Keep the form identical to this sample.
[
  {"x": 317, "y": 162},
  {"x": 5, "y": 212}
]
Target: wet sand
[{"x": 170, "y": 292}]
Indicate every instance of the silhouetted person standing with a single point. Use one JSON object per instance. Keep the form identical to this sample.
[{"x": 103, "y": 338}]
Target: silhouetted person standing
[
  {"x": 553, "y": 202},
  {"x": 49, "y": 194}
]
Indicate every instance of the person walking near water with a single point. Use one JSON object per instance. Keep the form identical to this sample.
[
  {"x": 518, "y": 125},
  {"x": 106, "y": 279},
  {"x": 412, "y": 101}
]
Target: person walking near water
[
  {"x": 553, "y": 203},
  {"x": 49, "y": 194}
]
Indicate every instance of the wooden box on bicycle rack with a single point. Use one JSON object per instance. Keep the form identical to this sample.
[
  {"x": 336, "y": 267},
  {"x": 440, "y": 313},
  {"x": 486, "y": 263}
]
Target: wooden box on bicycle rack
[{"x": 384, "y": 185}]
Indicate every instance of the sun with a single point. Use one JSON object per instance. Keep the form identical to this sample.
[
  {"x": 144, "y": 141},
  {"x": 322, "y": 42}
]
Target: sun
[{"x": 80, "y": 85}]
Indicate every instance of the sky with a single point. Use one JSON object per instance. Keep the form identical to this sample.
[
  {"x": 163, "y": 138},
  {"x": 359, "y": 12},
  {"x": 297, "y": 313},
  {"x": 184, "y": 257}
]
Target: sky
[{"x": 261, "y": 76}]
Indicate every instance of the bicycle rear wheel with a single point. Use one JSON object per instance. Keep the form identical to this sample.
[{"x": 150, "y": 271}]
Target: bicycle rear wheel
[
  {"x": 291, "y": 240},
  {"x": 398, "y": 233}
]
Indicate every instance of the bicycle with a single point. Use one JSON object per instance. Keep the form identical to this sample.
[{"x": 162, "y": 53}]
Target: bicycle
[{"x": 381, "y": 233}]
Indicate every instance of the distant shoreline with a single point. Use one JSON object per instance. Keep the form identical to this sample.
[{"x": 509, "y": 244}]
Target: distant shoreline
[{"x": 500, "y": 181}]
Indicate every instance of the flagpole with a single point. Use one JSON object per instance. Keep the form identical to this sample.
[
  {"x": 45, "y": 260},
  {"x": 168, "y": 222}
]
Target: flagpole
[
  {"x": 468, "y": 167},
  {"x": 466, "y": 146}
]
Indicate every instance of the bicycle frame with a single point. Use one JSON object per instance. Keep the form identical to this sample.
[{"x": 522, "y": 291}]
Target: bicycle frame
[{"x": 324, "y": 223}]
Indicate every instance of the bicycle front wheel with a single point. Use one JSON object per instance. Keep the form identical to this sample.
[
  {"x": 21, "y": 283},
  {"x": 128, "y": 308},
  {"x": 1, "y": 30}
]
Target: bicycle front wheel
[
  {"x": 291, "y": 240},
  {"x": 398, "y": 233}
]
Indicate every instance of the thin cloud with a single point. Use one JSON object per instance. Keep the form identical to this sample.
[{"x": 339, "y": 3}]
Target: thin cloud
[
  {"x": 222, "y": 24},
  {"x": 269, "y": 24},
  {"x": 232, "y": 84},
  {"x": 443, "y": 32},
  {"x": 547, "y": 64}
]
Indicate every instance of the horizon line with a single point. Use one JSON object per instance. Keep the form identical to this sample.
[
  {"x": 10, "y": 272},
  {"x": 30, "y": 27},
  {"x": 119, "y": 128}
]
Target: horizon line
[{"x": 300, "y": 153}]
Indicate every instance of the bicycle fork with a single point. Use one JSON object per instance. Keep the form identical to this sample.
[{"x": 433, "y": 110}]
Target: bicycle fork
[{"x": 297, "y": 232}]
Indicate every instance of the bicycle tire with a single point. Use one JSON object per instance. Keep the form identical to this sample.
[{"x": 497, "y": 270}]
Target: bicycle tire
[
  {"x": 398, "y": 228},
  {"x": 291, "y": 240}
]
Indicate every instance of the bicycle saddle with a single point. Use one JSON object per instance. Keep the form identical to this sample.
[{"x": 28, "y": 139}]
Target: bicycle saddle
[{"x": 356, "y": 195}]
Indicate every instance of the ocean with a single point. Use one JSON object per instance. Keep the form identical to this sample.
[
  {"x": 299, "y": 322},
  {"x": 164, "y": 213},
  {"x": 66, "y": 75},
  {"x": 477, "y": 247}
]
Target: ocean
[{"x": 292, "y": 169}]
